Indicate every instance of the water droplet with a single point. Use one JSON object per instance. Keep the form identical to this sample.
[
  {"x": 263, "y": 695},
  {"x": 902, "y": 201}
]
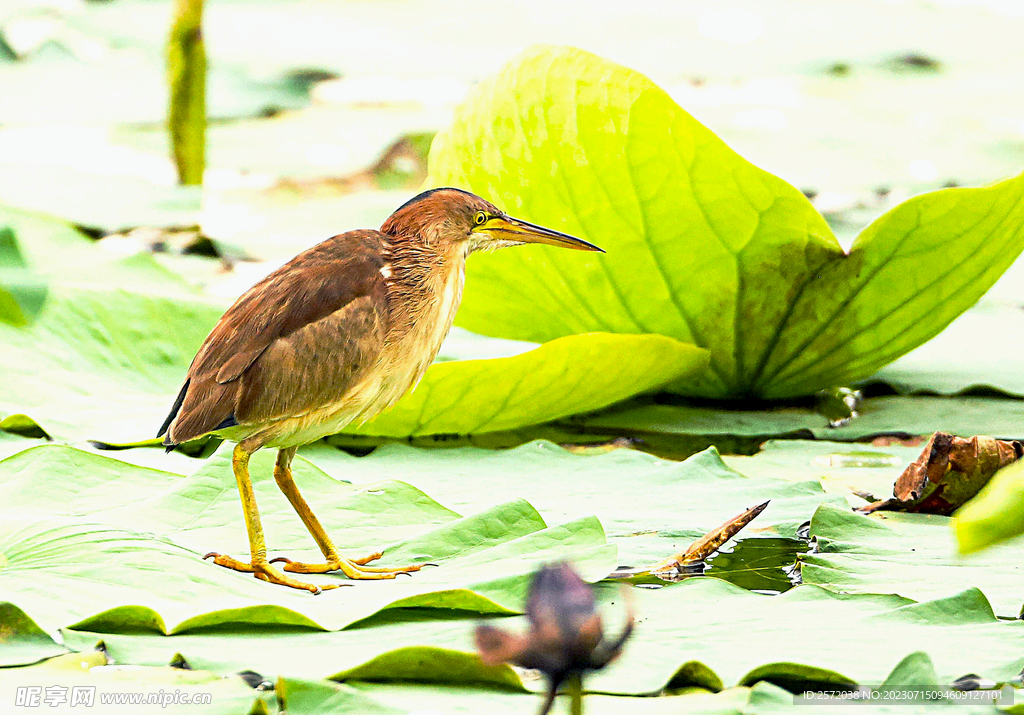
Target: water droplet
[
  {"x": 847, "y": 460},
  {"x": 842, "y": 421}
]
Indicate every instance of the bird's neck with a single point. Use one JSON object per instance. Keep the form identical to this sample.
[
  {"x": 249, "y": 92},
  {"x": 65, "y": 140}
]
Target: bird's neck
[{"x": 427, "y": 282}]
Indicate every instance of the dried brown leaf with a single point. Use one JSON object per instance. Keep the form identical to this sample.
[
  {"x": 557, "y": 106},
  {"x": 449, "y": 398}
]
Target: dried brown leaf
[{"x": 949, "y": 471}]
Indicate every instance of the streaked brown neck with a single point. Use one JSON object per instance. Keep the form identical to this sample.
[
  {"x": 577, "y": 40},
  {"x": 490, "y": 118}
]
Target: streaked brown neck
[{"x": 419, "y": 276}]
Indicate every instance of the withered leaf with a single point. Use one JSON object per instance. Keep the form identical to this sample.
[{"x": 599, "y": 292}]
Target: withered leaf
[{"x": 949, "y": 471}]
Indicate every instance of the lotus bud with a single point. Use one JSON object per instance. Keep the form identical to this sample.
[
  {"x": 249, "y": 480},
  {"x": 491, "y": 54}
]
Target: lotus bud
[{"x": 565, "y": 637}]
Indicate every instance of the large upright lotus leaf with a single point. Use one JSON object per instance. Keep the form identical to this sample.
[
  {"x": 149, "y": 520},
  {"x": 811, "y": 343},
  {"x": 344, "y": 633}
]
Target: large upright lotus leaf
[
  {"x": 701, "y": 632},
  {"x": 702, "y": 245},
  {"x": 995, "y": 514},
  {"x": 649, "y": 507},
  {"x": 908, "y": 275},
  {"x": 913, "y": 555},
  {"x": 81, "y": 535},
  {"x": 982, "y": 348},
  {"x": 570, "y": 375}
]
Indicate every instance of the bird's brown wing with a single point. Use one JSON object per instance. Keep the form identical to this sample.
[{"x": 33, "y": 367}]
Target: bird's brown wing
[
  {"x": 304, "y": 331},
  {"x": 315, "y": 366}
]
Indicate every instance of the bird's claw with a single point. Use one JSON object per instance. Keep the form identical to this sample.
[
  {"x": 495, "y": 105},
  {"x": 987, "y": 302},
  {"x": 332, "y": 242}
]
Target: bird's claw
[
  {"x": 355, "y": 569},
  {"x": 265, "y": 572}
]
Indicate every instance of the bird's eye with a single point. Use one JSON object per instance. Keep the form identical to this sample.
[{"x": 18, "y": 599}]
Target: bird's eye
[{"x": 480, "y": 219}]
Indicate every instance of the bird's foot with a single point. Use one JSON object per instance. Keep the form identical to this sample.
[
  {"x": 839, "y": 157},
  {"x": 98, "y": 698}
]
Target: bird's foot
[
  {"x": 262, "y": 570},
  {"x": 355, "y": 569}
]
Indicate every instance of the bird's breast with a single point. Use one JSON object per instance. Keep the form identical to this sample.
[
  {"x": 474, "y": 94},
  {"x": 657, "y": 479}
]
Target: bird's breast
[{"x": 412, "y": 347}]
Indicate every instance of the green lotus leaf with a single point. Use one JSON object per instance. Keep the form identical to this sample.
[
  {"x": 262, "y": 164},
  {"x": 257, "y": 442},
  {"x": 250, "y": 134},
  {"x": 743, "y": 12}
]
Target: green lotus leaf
[
  {"x": 327, "y": 698},
  {"x": 980, "y": 350},
  {"x": 699, "y": 633},
  {"x": 913, "y": 555},
  {"x": 649, "y": 507},
  {"x": 140, "y": 690},
  {"x": 83, "y": 550},
  {"x": 100, "y": 363},
  {"x": 889, "y": 415},
  {"x": 22, "y": 291},
  {"x": 22, "y": 642},
  {"x": 702, "y": 245},
  {"x": 567, "y": 376},
  {"x": 312, "y": 697},
  {"x": 995, "y": 514},
  {"x": 842, "y": 468},
  {"x": 916, "y": 672}
]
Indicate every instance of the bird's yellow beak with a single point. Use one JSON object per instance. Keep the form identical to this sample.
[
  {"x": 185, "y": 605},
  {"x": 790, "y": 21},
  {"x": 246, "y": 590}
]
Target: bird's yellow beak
[{"x": 506, "y": 228}]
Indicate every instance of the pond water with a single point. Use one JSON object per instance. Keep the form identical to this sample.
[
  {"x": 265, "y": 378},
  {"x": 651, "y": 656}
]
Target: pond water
[
  {"x": 763, "y": 565},
  {"x": 760, "y": 564}
]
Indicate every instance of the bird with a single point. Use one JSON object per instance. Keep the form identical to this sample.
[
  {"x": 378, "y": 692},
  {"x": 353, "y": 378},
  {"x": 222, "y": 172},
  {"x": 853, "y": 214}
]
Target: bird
[{"x": 337, "y": 334}]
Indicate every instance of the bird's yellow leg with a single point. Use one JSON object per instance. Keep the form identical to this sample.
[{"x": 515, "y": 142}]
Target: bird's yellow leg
[
  {"x": 258, "y": 564},
  {"x": 353, "y": 568}
]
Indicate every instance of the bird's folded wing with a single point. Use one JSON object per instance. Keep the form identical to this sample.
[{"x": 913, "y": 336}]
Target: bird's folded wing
[
  {"x": 280, "y": 329},
  {"x": 314, "y": 367}
]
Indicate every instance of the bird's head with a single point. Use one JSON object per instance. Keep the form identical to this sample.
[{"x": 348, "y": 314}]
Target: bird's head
[{"x": 458, "y": 221}]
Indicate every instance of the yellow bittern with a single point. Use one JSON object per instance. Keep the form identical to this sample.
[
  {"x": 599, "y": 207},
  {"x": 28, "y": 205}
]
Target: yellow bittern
[{"x": 337, "y": 334}]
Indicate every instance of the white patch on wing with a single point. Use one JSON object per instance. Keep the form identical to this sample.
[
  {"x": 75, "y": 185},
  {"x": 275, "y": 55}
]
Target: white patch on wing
[{"x": 386, "y": 270}]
